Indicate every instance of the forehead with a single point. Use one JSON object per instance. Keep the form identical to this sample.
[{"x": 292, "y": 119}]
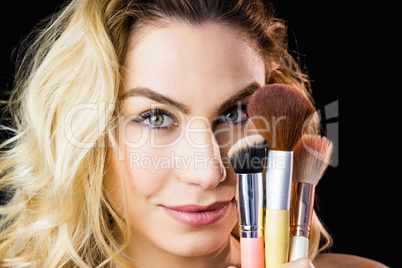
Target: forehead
[{"x": 187, "y": 62}]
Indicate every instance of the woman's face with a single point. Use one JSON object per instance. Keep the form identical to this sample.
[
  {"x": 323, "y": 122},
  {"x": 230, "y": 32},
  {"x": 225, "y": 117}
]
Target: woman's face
[{"x": 185, "y": 92}]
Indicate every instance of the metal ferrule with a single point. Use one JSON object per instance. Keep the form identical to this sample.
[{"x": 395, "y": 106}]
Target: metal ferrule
[
  {"x": 250, "y": 204},
  {"x": 278, "y": 179},
  {"x": 302, "y": 209}
]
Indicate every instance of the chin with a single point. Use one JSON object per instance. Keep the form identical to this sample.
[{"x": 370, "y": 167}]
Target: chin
[{"x": 200, "y": 245}]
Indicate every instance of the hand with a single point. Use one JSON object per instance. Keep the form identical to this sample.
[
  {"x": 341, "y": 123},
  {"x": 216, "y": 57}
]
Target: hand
[{"x": 300, "y": 263}]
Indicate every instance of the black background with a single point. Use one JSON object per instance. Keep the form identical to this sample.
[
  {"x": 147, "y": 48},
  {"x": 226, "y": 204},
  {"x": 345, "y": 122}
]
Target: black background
[{"x": 354, "y": 198}]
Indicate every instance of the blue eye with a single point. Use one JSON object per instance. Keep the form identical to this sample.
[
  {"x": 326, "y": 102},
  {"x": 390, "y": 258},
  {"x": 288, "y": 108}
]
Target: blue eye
[{"x": 155, "y": 119}]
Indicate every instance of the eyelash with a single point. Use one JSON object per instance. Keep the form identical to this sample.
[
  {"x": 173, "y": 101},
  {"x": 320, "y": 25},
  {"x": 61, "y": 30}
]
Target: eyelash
[
  {"x": 146, "y": 115},
  {"x": 242, "y": 107}
]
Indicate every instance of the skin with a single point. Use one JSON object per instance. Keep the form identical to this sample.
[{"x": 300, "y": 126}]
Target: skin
[{"x": 199, "y": 68}]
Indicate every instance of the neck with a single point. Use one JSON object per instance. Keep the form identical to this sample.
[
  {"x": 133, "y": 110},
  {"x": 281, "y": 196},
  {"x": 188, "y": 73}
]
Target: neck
[{"x": 145, "y": 256}]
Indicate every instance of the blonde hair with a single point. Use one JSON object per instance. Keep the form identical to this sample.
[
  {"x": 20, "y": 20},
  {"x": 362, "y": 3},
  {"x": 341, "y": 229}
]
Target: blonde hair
[{"x": 58, "y": 214}]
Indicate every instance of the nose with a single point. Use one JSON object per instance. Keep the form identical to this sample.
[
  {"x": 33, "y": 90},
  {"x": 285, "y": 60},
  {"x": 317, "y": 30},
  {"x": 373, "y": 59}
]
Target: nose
[{"x": 204, "y": 166}]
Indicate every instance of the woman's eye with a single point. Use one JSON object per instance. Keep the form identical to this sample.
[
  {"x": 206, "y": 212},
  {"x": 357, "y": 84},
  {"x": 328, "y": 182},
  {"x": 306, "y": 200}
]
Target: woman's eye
[
  {"x": 234, "y": 115},
  {"x": 155, "y": 119}
]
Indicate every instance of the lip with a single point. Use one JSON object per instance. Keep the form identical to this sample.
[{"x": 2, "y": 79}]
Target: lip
[{"x": 195, "y": 215}]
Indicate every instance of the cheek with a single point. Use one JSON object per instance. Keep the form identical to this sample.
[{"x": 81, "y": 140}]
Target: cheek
[
  {"x": 146, "y": 158},
  {"x": 143, "y": 173}
]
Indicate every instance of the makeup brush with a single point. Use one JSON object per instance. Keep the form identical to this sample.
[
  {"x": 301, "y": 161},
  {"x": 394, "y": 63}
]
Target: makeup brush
[
  {"x": 312, "y": 155},
  {"x": 247, "y": 157},
  {"x": 279, "y": 113}
]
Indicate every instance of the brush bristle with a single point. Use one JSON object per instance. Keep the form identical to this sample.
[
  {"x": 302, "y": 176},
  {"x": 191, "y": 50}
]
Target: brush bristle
[
  {"x": 311, "y": 157},
  {"x": 247, "y": 155},
  {"x": 280, "y": 113}
]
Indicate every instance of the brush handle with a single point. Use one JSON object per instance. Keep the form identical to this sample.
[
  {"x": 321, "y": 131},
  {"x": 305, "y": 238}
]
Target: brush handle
[
  {"x": 276, "y": 237},
  {"x": 298, "y": 247},
  {"x": 250, "y": 204},
  {"x": 252, "y": 252},
  {"x": 278, "y": 178},
  {"x": 302, "y": 209}
]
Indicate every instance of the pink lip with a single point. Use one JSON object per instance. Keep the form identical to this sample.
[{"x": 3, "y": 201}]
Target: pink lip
[{"x": 195, "y": 215}]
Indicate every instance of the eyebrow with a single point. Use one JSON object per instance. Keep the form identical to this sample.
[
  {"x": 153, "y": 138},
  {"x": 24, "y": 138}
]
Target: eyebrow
[
  {"x": 148, "y": 93},
  {"x": 239, "y": 95}
]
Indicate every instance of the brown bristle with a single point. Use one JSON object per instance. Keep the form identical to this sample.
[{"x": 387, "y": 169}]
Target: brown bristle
[
  {"x": 311, "y": 157},
  {"x": 280, "y": 113}
]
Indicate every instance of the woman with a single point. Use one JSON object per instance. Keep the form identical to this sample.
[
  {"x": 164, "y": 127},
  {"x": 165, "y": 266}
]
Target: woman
[{"x": 124, "y": 112}]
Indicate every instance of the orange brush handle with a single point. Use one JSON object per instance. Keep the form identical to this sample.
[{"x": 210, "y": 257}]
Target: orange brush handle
[{"x": 252, "y": 252}]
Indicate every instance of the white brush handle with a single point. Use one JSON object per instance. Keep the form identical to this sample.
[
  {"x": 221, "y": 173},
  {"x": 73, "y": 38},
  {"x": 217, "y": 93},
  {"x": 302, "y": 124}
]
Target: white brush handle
[
  {"x": 298, "y": 247},
  {"x": 278, "y": 179}
]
